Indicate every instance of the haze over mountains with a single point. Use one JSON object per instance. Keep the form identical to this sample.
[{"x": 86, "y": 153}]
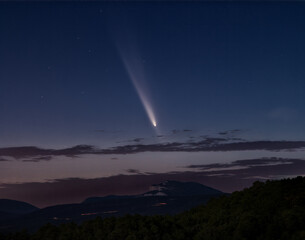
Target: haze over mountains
[{"x": 169, "y": 197}]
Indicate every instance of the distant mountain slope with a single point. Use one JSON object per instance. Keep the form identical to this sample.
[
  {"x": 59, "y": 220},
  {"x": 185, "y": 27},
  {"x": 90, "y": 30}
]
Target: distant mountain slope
[
  {"x": 175, "y": 188},
  {"x": 16, "y": 207},
  {"x": 113, "y": 197},
  {"x": 167, "y": 188}
]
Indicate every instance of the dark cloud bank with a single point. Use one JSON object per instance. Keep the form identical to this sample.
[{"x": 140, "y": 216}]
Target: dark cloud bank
[
  {"x": 225, "y": 177},
  {"x": 208, "y": 144}
]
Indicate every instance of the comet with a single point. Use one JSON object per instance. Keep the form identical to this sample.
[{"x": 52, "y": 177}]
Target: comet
[{"x": 134, "y": 66}]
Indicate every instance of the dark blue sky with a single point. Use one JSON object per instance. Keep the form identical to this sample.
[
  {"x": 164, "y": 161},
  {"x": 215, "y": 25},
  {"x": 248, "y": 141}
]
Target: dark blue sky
[
  {"x": 208, "y": 66},
  {"x": 74, "y": 73}
]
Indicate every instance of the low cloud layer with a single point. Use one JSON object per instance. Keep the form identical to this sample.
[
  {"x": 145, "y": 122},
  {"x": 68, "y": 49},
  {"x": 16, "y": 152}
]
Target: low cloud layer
[
  {"x": 208, "y": 144},
  {"x": 261, "y": 162},
  {"x": 230, "y": 132}
]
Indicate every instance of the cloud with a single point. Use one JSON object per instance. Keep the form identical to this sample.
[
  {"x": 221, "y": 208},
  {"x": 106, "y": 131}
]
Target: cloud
[
  {"x": 262, "y": 168},
  {"x": 208, "y": 144},
  {"x": 3, "y": 160},
  {"x": 137, "y": 140},
  {"x": 230, "y": 132},
  {"x": 176, "y": 131},
  {"x": 38, "y": 159},
  {"x": 242, "y": 164},
  {"x": 40, "y": 153},
  {"x": 133, "y": 171},
  {"x": 220, "y": 176}
]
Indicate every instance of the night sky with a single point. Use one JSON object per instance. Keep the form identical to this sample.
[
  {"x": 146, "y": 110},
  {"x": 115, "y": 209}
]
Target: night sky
[{"x": 82, "y": 85}]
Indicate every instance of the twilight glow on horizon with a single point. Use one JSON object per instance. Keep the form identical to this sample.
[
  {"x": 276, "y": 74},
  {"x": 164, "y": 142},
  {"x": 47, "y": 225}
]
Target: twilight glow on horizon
[{"x": 101, "y": 98}]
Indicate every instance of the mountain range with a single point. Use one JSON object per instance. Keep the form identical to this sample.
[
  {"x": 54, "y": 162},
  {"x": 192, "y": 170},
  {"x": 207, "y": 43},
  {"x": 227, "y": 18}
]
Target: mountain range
[{"x": 166, "y": 198}]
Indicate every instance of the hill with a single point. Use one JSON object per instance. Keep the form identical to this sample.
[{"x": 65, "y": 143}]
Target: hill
[{"x": 16, "y": 207}]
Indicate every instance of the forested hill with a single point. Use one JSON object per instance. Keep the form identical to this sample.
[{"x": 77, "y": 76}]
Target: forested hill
[{"x": 271, "y": 210}]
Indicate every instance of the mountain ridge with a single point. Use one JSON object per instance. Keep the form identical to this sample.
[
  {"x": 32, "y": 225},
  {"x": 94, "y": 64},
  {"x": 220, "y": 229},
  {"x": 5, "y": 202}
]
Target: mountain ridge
[
  {"x": 166, "y": 188},
  {"x": 180, "y": 196},
  {"x": 16, "y": 207}
]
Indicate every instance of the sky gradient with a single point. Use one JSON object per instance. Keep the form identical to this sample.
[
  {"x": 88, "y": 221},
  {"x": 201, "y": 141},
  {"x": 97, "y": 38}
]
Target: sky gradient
[{"x": 81, "y": 84}]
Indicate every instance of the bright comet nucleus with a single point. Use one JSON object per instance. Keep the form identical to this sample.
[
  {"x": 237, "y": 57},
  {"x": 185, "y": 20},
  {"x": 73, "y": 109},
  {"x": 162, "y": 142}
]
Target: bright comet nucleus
[{"x": 154, "y": 123}]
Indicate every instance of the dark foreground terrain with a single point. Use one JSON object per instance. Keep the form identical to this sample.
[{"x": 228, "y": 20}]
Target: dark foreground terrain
[{"x": 271, "y": 210}]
